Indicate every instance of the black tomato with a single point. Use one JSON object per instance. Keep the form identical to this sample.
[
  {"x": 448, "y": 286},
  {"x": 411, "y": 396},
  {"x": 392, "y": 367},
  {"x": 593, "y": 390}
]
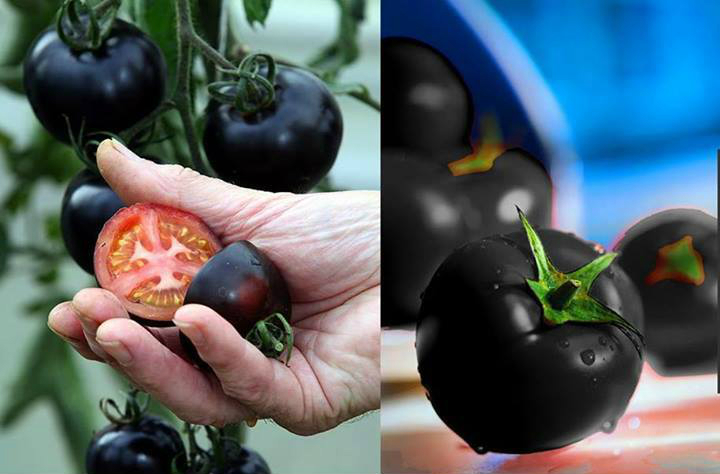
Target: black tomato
[
  {"x": 426, "y": 105},
  {"x": 672, "y": 257},
  {"x": 147, "y": 446},
  {"x": 241, "y": 460},
  {"x": 498, "y": 366},
  {"x": 289, "y": 146},
  {"x": 420, "y": 225},
  {"x": 88, "y": 203},
  {"x": 110, "y": 89},
  {"x": 242, "y": 285},
  {"x": 427, "y": 212}
]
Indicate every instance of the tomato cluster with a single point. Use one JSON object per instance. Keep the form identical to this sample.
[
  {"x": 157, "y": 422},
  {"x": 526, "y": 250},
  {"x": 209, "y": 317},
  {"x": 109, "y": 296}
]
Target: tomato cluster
[
  {"x": 139, "y": 443},
  {"x": 438, "y": 193}
]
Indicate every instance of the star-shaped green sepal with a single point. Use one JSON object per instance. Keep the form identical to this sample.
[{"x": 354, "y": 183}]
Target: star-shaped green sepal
[{"x": 565, "y": 297}]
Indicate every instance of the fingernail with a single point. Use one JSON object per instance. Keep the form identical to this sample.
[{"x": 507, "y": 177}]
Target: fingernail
[
  {"x": 117, "y": 351},
  {"x": 57, "y": 309},
  {"x": 123, "y": 150},
  {"x": 88, "y": 325},
  {"x": 191, "y": 331}
]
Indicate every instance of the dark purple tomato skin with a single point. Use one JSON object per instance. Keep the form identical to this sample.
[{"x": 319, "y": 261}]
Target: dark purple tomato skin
[
  {"x": 420, "y": 226},
  {"x": 111, "y": 88},
  {"x": 242, "y": 285},
  {"x": 289, "y": 146},
  {"x": 681, "y": 318},
  {"x": 146, "y": 447},
  {"x": 242, "y": 460},
  {"x": 427, "y": 212},
  {"x": 426, "y": 104},
  {"x": 87, "y": 204},
  {"x": 534, "y": 387}
]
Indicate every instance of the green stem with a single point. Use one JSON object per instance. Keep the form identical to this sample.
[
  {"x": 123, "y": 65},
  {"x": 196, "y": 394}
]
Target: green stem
[
  {"x": 209, "y": 52},
  {"x": 151, "y": 117},
  {"x": 366, "y": 99},
  {"x": 105, "y": 5},
  {"x": 182, "y": 92},
  {"x": 561, "y": 296}
]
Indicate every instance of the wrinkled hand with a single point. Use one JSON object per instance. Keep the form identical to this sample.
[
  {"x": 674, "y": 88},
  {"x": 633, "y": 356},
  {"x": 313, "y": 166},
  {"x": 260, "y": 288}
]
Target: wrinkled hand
[{"x": 326, "y": 245}]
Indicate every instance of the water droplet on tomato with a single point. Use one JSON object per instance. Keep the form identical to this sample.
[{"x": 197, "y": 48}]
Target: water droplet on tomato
[
  {"x": 602, "y": 340},
  {"x": 496, "y": 286},
  {"x": 588, "y": 357},
  {"x": 564, "y": 343},
  {"x": 608, "y": 426},
  {"x": 481, "y": 450},
  {"x": 594, "y": 380},
  {"x": 498, "y": 271}
]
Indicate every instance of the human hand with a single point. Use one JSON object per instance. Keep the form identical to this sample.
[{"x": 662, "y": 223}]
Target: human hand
[{"x": 327, "y": 247}]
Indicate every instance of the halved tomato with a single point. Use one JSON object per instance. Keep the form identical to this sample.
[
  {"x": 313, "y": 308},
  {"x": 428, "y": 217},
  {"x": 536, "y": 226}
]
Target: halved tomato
[{"x": 148, "y": 254}]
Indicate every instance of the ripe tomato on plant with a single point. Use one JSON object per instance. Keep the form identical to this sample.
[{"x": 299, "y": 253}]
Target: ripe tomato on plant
[
  {"x": 134, "y": 443},
  {"x": 672, "y": 257},
  {"x": 106, "y": 89},
  {"x": 287, "y": 144},
  {"x": 148, "y": 254},
  {"x": 552, "y": 338},
  {"x": 87, "y": 204}
]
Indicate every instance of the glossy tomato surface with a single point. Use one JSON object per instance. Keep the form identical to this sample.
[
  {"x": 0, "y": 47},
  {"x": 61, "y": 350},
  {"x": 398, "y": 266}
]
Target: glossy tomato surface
[
  {"x": 243, "y": 286},
  {"x": 427, "y": 212},
  {"x": 147, "y": 254},
  {"x": 87, "y": 204},
  {"x": 148, "y": 446},
  {"x": 546, "y": 386},
  {"x": 672, "y": 257},
  {"x": 241, "y": 460},
  {"x": 110, "y": 89},
  {"x": 421, "y": 224},
  {"x": 289, "y": 146},
  {"x": 426, "y": 104}
]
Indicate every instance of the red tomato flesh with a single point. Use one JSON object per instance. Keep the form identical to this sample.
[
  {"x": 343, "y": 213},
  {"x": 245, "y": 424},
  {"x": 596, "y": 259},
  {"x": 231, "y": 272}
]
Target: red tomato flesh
[{"x": 148, "y": 254}]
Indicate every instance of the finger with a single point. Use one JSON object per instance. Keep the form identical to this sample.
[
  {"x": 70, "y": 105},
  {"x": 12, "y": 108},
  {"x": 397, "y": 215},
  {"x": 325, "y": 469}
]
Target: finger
[
  {"x": 186, "y": 391},
  {"x": 264, "y": 385},
  {"x": 63, "y": 321},
  {"x": 93, "y": 306},
  {"x": 139, "y": 180}
]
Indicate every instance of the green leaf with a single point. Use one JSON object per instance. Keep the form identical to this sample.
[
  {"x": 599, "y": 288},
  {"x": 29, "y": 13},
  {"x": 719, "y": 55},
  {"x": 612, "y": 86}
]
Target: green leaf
[
  {"x": 158, "y": 19},
  {"x": 257, "y": 11},
  {"x": 344, "y": 50},
  {"x": 18, "y": 197},
  {"x": 50, "y": 373}
]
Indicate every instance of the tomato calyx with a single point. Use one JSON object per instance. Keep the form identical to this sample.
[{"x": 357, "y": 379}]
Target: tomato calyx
[
  {"x": 272, "y": 336},
  {"x": 134, "y": 409},
  {"x": 565, "y": 297},
  {"x": 253, "y": 87},
  {"x": 84, "y": 28}
]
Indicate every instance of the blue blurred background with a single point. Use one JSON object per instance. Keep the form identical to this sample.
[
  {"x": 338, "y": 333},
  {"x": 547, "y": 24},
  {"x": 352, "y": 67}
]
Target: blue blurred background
[
  {"x": 639, "y": 84},
  {"x": 619, "y": 98}
]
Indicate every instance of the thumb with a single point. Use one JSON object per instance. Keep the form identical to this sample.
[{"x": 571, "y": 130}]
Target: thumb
[{"x": 137, "y": 180}]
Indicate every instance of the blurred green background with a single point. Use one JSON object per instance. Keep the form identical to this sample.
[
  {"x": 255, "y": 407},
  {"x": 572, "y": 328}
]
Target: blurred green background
[{"x": 35, "y": 444}]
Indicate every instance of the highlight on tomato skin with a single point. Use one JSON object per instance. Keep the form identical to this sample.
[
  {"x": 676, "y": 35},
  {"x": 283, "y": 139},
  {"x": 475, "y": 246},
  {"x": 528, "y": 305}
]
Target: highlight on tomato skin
[{"x": 147, "y": 255}]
